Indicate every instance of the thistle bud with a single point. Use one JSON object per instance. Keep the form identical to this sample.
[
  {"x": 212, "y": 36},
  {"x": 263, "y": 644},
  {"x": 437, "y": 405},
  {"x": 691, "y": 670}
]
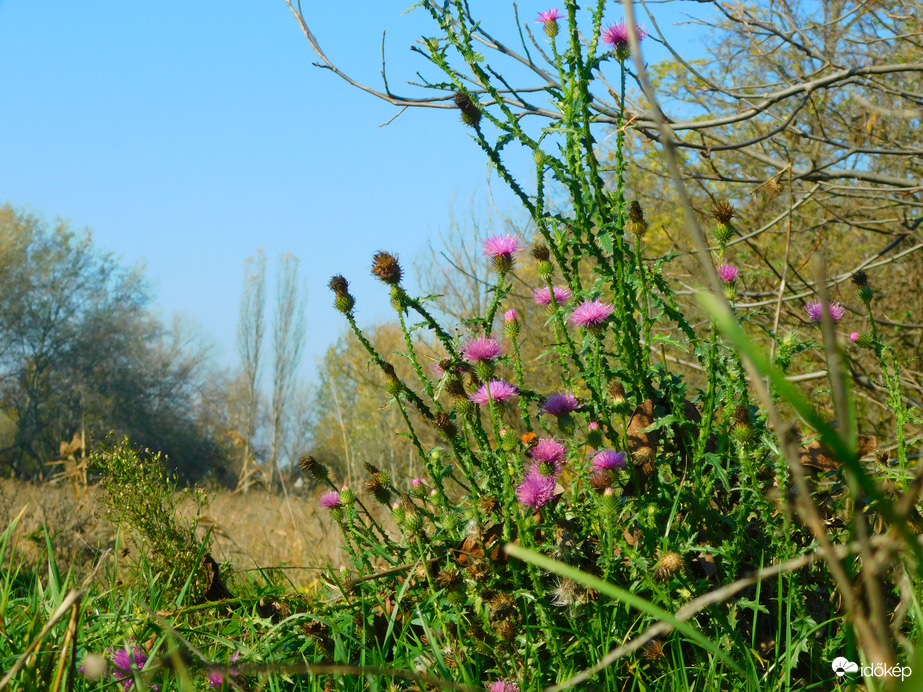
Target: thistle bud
[
  {"x": 347, "y": 496},
  {"x": 398, "y": 513},
  {"x": 465, "y": 408},
  {"x": 392, "y": 384},
  {"x": 743, "y": 428},
  {"x": 399, "y": 299},
  {"x": 594, "y": 436},
  {"x": 865, "y": 341},
  {"x": 636, "y": 219},
  {"x": 376, "y": 485},
  {"x": 470, "y": 113},
  {"x": 344, "y": 303},
  {"x": 418, "y": 488},
  {"x": 413, "y": 523},
  {"x": 511, "y": 324}
]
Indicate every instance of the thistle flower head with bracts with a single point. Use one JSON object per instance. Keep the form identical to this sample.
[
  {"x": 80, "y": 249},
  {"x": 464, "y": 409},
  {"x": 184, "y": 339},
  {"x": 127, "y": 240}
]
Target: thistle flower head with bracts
[
  {"x": 550, "y": 19},
  {"x": 592, "y": 314},
  {"x": 503, "y": 685},
  {"x": 608, "y": 459},
  {"x": 470, "y": 113},
  {"x": 560, "y": 404},
  {"x": 815, "y": 311},
  {"x": 482, "y": 348},
  {"x": 330, "y": 500},
  {"x": 343, "y": 302},
  {"x": 548, "y": 451},
  {"x": 495, "y": 390},
  {"x": 124, "y": 664},
  {"x": 536, "y": 490},
  {"x": 542, "y": 296},
  {"x": 616, "y": 35},
  {"x": 501, "y": 248}
]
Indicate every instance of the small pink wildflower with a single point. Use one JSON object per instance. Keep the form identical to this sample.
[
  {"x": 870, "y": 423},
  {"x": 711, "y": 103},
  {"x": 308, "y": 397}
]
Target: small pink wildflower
[
  {"x": 854, "y": 337},
  {"x": 560, "y": 404},
  {"x": 482, "y": 348},
  {"x": 616, "y": 35},
  {"x": 542, "y": 296},
  {"x": 330, "y": 500},
  {"x": 816, "y": 311},
  {"x": 125, "y": 662},
  {"x": 535, "y": 491},
  {"x": 216, "y": 678},
  {"x": 608, "y": 459},
  {"x": 549, "y": 16},
  {"x": 495, "y": 390},
  {"x": 727, "y": 272},
  {"x": 591, "y": 314},
  {"x": 510, "y": 315}
]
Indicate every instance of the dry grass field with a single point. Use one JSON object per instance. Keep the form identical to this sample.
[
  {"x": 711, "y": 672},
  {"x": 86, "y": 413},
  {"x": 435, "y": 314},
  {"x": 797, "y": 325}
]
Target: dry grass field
[{"x": 251, "y": 530}]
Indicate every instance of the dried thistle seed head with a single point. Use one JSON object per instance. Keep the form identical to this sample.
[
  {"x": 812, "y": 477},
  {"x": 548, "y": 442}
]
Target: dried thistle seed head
[
  {"x": 569, "y": 593},
  {"x": 667, "y": 566},
  {"x": 488, "y": 504},
  {"x": 502, "y": 607},
  {"x": 742, "y": 414},
  {"x": 456, "y": 388},
  {"x": 617, "y": 392},
  {"x": 506, "y": 630},
  {"x": 479, "y": 570},
  {"x": 743, "y": 427},
  {"x": 376, "y": 485},
  {"x": 470, "y": 113},
  {"x": 865, "y": 292},
  {"x": 385, "y": 266},
  {"x": 636, "y": 219},
  {"x": 371, "y": 469},
  {"x": 443, "y": 423},
  {"x": 339, "y": 285},
  {"x": 772, "y": 187},
  {"x": 540, "y": 252},
  {"x": 860, "y": 278},
  {"x": 448, "y": 578},
  {"x": 653, "y": 650},
  {"x": 722, "y": 212},
  {"x": 311, "y": 466}
]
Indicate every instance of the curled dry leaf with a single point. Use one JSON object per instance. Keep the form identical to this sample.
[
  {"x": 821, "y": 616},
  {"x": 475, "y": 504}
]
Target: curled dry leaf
[{"x": 818, "y": 457}]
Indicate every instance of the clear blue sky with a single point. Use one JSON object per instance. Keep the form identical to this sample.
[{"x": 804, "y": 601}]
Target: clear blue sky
[{"x": 186, "y": 134}]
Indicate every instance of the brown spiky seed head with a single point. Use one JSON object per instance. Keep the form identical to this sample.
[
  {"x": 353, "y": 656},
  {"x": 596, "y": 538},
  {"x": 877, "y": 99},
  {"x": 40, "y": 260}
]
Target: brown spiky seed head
[
  {"x": 722, "y": 212},
  {"x": 506, "y": 630},
  {"x": 617, "y": 392},
  {"x": 667, "y": 566},
  {"x": 311, "y": 466},
  {"x": 448, "y": 578},
  {"x": 653, "y": 650},
  {"x": 443, "y": 423},
  {"x": 742, "y": 414},
  {"x": 456, "y": 388},
  {"x": 479, "y": 570},
  {"x": 339, "y": 285},
  {"x": 470, "y": 113},
  {"x": 385, "y": 267},
  {"x": 488, "y": 504},
  {"x": 635, "y": 213},
  {"x": 860, "y": 278},
  {"x": 541, "y": 252},
  {"x": 371, "y": 468},
  {"x": 502, "y": 607}
]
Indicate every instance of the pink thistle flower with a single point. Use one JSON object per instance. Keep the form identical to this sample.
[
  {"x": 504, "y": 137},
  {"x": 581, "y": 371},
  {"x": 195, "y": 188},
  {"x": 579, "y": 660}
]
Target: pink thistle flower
[
  {"x": 535, "y": 491},
  {"x": 616, "y": 35},
  {"x": 542, "y": 296},
  {"x": 503, "y": 685},
  {"x": 548, "y": 451},
  {"x": 560, "y": 404},
  {"x": 125, "y": 662},
  {"x": 501, "y": 248},
  {"x": 816, "y": 311},
  {"x": 216, "y": 678},
  {"x": 608, "y": 459},
  {"x": 593, "y": 426},
  {"x": 330, "y": 500},
  {"x": 495, "y": 390},
  {"x": 854, "y": 337},
  {"x": 727, "y": 272},
  {"x": 549, "y": 16},
  {"x": 482, "y": 348},
  {"x": 592, "y": 314},
  {"x": 510, "y": 315},
  {"x": 416, "y": 482}
]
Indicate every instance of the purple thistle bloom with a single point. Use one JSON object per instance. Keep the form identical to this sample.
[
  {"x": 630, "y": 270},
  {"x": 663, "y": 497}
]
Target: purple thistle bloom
[
  {"x": 495, "y": 390},
  {"x": 816, "y": 311},
  {"x": 548, "y": 451},
  {"x": 330, "y": 500},
  {"x": 854, "y": 337},
  {"x": 549, "y": 16},
  {"x": 216, "y": 678},
  {"x": 616, "y": 35},
  {"x": 727, "y": 272},
  {"x": 591, "y": 313},
  {"x": 510, "y": 315},
  {"x": 124, "y": 664},
  {"x": 608, "y": 459},
  {"x": 536, "y": 490},
  {"x": 542, "y": 296},
  {"x": 501, "y": 246},
  {"x": 560, "y": 404},
  {"x": 482, "y": 348}
]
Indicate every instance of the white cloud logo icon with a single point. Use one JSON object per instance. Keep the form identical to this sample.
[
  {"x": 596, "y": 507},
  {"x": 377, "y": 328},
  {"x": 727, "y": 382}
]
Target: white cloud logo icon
[{"x": 841, "y": 666}]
